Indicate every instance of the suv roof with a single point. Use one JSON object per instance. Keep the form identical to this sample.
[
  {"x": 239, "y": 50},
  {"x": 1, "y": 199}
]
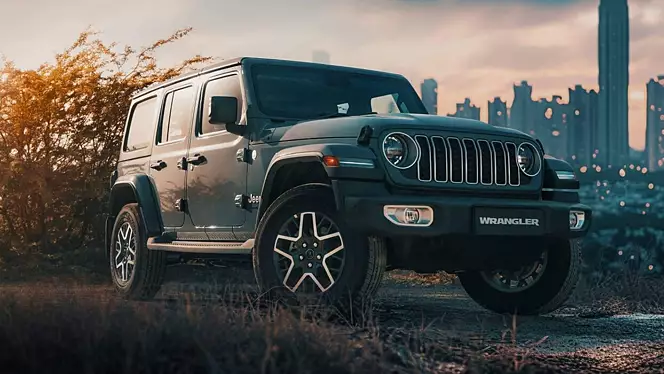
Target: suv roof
[{"x": 241, "y": 60}]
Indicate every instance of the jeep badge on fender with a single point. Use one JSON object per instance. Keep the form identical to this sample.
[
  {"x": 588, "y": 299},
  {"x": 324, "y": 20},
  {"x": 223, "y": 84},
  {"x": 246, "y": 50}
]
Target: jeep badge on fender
[{"x": 353, "y": 175}]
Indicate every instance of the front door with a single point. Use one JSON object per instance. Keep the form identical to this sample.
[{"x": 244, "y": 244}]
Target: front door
[
  {"x": 174, "y": 127},
  {"x": 216, "y": 177}
]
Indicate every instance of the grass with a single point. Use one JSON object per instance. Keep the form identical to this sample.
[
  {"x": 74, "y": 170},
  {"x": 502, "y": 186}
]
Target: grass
[{"x": 48, "y": 326}]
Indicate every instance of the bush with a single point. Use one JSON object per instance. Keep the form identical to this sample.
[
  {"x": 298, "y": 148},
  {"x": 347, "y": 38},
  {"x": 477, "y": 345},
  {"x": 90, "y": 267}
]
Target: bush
[{"x": 60, "y": 132}]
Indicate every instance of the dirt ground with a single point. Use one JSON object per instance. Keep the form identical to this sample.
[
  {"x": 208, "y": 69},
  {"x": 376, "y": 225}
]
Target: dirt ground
[
  {"x": 618, "y": 343},
  {"x": 444, "y": 313}
]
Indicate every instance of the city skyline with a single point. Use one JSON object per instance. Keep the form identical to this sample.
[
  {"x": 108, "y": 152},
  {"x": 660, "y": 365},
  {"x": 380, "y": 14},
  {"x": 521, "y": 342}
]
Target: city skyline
[{"x": 463, "y": 45}]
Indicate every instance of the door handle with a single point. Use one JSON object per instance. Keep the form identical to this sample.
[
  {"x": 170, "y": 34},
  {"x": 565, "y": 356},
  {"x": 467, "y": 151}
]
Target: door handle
[
  {"x": 197, "y": 159},
  {"x": 158, "y": 165}
]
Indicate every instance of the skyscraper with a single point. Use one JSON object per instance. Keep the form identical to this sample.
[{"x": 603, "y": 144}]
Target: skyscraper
[
  {"x": 498, "y": 112},
  {"x": 466, "y": 110},
  {"x": 523, "y": 108},
  {"x": 655, "y": 123},
  {"x": 613, "y": 58},
  {"x": 581, "y": 125},
  {"x": 429, "y": 90},
  {"x": 321, "y": 57}
]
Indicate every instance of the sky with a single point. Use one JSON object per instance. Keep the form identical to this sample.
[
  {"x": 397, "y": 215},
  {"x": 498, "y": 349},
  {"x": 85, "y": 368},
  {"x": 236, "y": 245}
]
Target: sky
[{"x": 473, "y": 48}]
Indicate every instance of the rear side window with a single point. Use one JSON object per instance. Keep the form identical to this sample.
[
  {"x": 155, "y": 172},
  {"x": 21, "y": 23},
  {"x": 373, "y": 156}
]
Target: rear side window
[
  {"x": 225, "y": 86},
  {"x": 178, "y": 114},
  {"x": 141, "y": 121}
]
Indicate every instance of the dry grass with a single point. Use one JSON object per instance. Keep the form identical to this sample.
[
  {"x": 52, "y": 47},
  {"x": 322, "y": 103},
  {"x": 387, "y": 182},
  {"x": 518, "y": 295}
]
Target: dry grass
[
  {"x": 416, "y": 279},
  {"x": 47, "y": 328},
  {"x": 619, "y": 294}
]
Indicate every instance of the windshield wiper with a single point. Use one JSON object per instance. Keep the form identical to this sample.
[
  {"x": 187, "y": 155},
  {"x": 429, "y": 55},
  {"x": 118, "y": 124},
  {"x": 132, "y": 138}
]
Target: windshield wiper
[
  {"x": 336, "y": 115},
  {"x": 330, "y": 115}
]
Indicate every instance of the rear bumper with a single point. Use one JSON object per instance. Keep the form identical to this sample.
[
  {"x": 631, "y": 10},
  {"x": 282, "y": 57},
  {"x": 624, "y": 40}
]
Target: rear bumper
[{"x": 362, "y": 203}]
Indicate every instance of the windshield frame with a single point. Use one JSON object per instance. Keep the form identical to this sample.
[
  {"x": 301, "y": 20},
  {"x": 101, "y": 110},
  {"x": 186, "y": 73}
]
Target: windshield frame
[{"x": 258, "y": 110}]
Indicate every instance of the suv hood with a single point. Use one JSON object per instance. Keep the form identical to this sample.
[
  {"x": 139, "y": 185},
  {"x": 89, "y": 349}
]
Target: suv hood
[{"x": 349, "y": 127}]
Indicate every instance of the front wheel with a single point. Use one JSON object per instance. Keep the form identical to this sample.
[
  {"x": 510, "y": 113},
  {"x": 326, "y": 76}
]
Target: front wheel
[
  {"x": 538, "y": 288},
  {"x": 304, "y": 249}
]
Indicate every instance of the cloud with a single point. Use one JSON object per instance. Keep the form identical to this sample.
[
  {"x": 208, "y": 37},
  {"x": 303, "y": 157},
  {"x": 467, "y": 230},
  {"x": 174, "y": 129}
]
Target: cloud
[{"x": 475, "y": 49}]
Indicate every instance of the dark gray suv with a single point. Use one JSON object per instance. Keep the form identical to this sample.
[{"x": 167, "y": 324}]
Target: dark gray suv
[{"x": 327, "y": 176}]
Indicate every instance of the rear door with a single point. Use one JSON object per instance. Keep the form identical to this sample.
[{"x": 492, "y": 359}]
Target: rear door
[
  {"x": 213, "y": 184},
  {"x": 176, "y": 118}
]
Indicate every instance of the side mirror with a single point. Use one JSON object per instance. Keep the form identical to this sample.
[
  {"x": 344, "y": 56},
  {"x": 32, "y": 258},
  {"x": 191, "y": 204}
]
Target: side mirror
[{"x": 223, "y": 110}]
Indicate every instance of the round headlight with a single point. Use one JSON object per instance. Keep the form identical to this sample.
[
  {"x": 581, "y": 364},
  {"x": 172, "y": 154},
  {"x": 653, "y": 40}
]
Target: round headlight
[
  {"x": 395, "y": 149},
  {"x": 529, "y": 159}
]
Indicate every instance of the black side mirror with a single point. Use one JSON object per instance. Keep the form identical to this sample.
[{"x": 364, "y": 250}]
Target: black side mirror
[{"x": 223, "y": 110}]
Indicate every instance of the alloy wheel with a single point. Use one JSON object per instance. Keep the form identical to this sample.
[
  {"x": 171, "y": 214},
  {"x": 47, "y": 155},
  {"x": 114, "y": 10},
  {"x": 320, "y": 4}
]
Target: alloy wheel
[
  {"x": 309, "y": 253},
  {"x": 519, "y": 280},
  {"x": 124, "y": 259}
]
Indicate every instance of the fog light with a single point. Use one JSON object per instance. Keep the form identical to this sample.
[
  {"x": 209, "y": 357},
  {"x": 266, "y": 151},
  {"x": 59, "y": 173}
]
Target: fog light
[
  {"x": 407, "y": 215},
  {"x": 576, "y": 219}
]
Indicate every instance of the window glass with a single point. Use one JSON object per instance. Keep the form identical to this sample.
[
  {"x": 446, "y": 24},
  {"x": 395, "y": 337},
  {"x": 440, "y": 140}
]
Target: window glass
[
  {"x": 225, "y": 86},
  {"x": 141, "y": 125},
  {"x": 313, "y": 92},
  {"x": 178, "y": 113}
]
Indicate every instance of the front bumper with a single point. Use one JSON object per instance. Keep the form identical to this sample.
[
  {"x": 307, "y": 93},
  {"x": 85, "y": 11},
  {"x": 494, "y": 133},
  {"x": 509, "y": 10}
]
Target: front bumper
[{"x": 362, "y": 203}]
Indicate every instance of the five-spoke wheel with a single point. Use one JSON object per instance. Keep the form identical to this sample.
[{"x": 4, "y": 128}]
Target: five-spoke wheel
[
  {"x": 309, "y": 247},
  {"x": 124, "y": 257},
  {"x": 304, "y": 249}
]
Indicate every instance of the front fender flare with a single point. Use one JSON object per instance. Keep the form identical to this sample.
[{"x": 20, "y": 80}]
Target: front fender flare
[{"x": 315, "y": 153}]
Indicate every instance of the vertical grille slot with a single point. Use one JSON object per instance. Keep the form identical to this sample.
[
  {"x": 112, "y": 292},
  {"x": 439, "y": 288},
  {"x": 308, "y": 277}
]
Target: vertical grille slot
[
  {"x": 456, "y": 160},
  {"x": 500, "y": 163},
  {"x": 486, "y": 162},
  {"x": 466, "y": 160},
  {"x": 424, "y": 165},
  {"x": 439, "y": 159},
  {"x": 472, "y": 161},
  {"x": 513, "y": 172}
]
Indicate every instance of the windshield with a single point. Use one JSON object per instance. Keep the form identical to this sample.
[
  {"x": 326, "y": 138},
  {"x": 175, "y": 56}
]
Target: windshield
[{"x": 310, "y": 92}]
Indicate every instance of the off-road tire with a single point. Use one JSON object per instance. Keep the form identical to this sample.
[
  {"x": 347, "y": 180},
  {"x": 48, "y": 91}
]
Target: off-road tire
[
  {"x": 549, "y": 292},
  {"x": 365, "y": 258},
  {"x": 148, "y": 274}
]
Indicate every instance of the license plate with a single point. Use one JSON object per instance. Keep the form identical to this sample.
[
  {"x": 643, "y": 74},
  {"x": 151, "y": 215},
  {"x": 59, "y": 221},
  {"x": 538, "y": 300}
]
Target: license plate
[{"x": 501, "y": 221}]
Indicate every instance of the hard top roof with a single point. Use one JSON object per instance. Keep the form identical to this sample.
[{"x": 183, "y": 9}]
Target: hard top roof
[{"x": 253, "y": 60}]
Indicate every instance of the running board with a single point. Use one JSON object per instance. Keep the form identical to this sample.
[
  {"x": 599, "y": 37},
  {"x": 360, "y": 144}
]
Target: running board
[{"x": 231, "y": 248}]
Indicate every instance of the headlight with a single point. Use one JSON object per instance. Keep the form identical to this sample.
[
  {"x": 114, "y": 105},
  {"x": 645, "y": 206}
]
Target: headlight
[
  {"x": 395, "y": 149},
  {"x": 400, "y": 150},
  {"x": 530, "y": 161}
]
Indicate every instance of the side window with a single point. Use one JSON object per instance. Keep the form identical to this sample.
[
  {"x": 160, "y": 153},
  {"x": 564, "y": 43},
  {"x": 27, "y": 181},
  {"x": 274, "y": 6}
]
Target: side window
[
  {"x": 178, "y": 112},
  {"x": 141, "y": 122},
  {"x": 225, "y": 86}
]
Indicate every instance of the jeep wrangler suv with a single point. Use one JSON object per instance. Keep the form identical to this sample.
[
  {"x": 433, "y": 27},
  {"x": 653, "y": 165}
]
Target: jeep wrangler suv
[{"x": 327, "y": 176}]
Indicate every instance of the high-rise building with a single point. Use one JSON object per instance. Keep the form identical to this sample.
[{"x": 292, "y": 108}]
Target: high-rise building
[
  {"x": 429, "y": 90},
  {"x": 321, "y": 57},
  {"x": 550, "y": 126},
  {"x": 613, "y": 58},
  {"x": 655, "y": 123},
  {"x": 466, "y": 110},
  {"x": 581, "y": 125},
  {"x": 523, "y": 109},
  {"x": 498, "y": 112}
]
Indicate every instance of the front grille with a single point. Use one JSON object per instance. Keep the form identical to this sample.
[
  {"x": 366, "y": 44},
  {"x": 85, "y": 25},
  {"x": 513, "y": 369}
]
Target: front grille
[{"x": 469, "y": 161}]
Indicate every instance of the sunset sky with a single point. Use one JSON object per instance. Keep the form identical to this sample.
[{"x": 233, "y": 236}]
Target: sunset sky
[{"x": 474, "y": 48}]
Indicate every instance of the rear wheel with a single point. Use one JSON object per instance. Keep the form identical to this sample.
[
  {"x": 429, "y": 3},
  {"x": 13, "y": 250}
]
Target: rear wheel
[
  {"x": 304, "y": 251},
  {"x": 538, "y": 288},
  {"x": 136, "y": 271}
]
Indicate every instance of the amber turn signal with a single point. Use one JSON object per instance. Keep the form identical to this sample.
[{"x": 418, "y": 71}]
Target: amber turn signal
[{"x": 331, "y": 161}]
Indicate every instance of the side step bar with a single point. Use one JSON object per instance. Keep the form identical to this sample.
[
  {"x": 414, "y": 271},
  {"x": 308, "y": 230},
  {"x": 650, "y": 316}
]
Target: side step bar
[{"x": 231, "y": 248}]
